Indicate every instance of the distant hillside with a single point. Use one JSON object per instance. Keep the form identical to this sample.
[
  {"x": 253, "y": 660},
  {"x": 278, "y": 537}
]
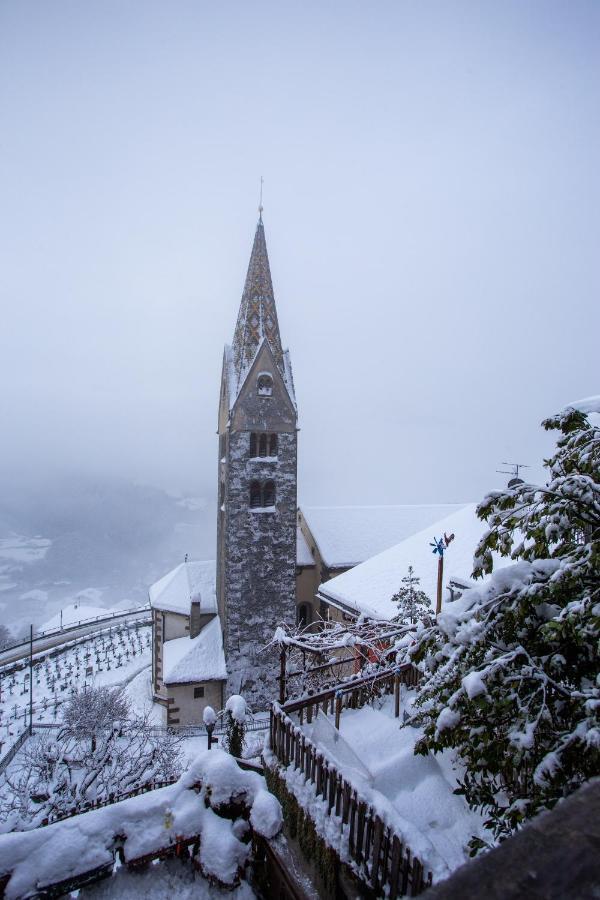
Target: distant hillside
[{"x": 103, "y": 538}]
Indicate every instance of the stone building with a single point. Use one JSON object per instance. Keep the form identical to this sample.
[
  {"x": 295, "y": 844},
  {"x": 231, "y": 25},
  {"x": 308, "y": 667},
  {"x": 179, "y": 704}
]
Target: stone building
[
  {"x": 188, "y": 662},
  {"x": 256, "y": 519}
]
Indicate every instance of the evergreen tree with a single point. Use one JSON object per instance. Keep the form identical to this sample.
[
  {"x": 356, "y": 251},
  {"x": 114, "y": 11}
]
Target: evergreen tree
[
  {"x": 236, "y": 714},
  {"x": 413, "y": 603},
  {"x": 511, "y": 669}
]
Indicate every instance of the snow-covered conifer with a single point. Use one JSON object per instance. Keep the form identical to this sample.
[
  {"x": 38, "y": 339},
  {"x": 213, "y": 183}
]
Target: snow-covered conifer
[
  {"x": 413, "y": 603},
  {"x": 510, "y": 670},
  {"x": 235, "y": 724}
]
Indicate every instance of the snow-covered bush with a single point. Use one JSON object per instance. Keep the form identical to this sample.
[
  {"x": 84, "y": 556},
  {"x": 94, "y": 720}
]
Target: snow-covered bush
[
  {"x": 105, "y": 751},
  {"x": 511, "y": 669},
  {"x": 91, "y": 711},
  {"x": 413, "y": 603}
]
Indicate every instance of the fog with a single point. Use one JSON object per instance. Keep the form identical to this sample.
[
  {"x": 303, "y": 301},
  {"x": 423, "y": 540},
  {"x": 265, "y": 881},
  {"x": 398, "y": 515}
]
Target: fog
[{"x": 431, "y": 210}]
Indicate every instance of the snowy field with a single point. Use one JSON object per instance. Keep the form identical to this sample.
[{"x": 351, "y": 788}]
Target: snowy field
[
  {"x": 375, "y": 752},
  {"x": 119, "y": 655}
]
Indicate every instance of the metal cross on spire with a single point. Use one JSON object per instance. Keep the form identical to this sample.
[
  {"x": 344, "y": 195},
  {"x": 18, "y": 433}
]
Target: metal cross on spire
[{"x": 260, "y": 203}]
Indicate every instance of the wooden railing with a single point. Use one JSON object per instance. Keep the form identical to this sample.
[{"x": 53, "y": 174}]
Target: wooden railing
[{"x": 385, "y": 863}]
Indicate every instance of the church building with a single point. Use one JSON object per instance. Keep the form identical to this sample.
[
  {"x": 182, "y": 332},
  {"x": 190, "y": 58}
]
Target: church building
[{"x": 256, "y": 518}]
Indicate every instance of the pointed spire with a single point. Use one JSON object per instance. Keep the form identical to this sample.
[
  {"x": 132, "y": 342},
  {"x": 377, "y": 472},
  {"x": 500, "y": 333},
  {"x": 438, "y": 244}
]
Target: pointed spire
[{"x": 257, "y": 318}]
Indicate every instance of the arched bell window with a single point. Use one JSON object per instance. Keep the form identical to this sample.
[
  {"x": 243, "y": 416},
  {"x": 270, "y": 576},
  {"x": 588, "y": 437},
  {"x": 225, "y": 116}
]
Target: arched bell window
[
  {"x": 273, "y": 445},
  {"x": 253, "y": 437},
  {"x": 264, "y": 385},
  {"x": 262, "y": 445},
  {"x": 255, "y": 495},
  {"x": 269, "y": 493}
]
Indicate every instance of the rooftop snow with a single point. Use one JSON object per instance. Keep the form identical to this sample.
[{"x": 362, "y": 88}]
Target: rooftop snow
[
  {"x": 369, "y": 587},
  {"x": 201, "y": 658},
  {"x": 189, "y": 581},
  {"x": 303, "y": 555},
  {"x": 348, "y": 535}
]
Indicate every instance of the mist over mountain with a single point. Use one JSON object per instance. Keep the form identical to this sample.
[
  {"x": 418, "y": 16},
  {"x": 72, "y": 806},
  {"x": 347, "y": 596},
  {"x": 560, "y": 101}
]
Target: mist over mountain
[{"x": 100, "y": 539}]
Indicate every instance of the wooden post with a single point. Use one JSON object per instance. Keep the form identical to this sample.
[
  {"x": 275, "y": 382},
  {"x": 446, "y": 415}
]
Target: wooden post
[
  {"x": 438, "y": 607},
  {"x": 338, "y": 708},
  {"x": 282, "y": 675},
  {"x": 397, "y": 695}
]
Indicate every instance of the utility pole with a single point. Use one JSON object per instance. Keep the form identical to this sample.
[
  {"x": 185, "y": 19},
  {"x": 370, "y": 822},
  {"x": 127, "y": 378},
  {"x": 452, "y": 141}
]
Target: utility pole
[
  {"x": 31, "y": 679},
  {"x": 439, "y": 547}
]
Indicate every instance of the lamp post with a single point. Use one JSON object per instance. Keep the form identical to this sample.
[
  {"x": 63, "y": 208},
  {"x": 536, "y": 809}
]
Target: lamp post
[
  {"x": 209, "y": 718},
  {"x": 439, "y": 547}
]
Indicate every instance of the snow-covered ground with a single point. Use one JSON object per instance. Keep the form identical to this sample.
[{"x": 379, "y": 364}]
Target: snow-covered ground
[
  {"x": 413, "y": 792},
  {"x": 111, "y": 657}
]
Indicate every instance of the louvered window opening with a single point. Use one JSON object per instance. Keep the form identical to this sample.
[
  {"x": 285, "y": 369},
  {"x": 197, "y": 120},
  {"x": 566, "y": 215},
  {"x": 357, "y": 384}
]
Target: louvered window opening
[
  {"x": 263, "y": 444},
  {"x": 262, "y": 494}
]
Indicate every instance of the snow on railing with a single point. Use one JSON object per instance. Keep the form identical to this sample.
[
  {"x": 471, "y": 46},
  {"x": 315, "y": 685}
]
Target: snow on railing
[
  {"x": 193, "y": 812},
  {"x": 379, "y": 854}
]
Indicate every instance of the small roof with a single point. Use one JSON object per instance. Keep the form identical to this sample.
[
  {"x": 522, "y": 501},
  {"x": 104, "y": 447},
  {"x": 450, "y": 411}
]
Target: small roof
[
  {"x": 303, "y": 555},
  {"x": 348, "y": 535},
  {"x": 369, "y": 587},
  {"x": 194, "y": 580},
  {"x": 187, "y": 660}
]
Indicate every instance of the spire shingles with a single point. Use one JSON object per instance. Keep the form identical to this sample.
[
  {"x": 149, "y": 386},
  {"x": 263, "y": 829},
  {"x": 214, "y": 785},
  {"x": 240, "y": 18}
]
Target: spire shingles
[{"x": 257, "y": 318}]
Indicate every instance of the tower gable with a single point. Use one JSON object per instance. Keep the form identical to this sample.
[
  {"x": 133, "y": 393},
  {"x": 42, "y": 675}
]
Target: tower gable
[{"x": 263, "y": 401}]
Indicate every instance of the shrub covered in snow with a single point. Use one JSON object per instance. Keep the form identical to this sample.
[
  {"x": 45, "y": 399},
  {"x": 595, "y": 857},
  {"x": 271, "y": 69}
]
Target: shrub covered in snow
[
  {"x": 99, "y": 751},
  {"x": 511, "y": 669}
]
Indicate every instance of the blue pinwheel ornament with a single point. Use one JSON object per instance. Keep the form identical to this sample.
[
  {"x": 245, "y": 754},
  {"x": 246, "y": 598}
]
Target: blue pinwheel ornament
[{"x": 441, "y": 544}]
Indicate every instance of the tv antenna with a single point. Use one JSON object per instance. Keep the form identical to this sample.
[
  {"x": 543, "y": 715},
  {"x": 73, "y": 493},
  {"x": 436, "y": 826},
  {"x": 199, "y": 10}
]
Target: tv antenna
[{"x": 514, "y": 468}]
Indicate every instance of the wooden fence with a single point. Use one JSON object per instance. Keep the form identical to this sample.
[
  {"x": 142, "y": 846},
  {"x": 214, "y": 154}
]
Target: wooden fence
[{"x": 379, "y": 853}]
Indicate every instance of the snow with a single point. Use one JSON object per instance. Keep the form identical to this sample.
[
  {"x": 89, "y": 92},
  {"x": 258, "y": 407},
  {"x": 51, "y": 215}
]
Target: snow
[
  {"x": 209, "y": 716},
  {"x": 415, "y": 794},
  {"x": 144, "y": 824},
  {"x": 236, "y": 705},
  {"x": 73, "y": 614},
  {"x": 201, "y": 658},
  {"x": 473, "y": 685},
  {"x": 266, "y": 817},
  {"x": 590, "y": 406},
  {"x": 168, "y": 878},
  {"x": 348, "y": 535},
  {"x": 193, "y": 580},
  {"x": 303, "y": 555},
  {"x": 369, "y": 587},
  {"x": 116, "y": 655}
]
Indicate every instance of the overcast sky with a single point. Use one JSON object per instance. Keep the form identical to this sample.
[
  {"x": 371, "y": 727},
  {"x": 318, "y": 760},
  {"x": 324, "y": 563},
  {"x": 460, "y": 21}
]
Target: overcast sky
[{"x": 432, "y": 205}]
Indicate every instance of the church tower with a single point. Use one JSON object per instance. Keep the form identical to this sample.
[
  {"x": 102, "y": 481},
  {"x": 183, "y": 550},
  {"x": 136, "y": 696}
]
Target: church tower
[{"x": 256, "y": 527}]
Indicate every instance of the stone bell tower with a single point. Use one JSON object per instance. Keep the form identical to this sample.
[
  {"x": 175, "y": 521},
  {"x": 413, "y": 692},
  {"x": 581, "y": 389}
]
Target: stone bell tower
[{"x": 256, "y": 526}]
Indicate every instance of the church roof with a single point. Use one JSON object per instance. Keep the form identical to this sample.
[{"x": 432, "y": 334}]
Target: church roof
[
  {"x": 369, "y": 587},
  {"x": 256, "y": 322},
  {"x": 201, "y": 658},
  {"x": 189, "y": 581},
  {"x": 348, "y": 535},
  {"x": 303, "y": 555}
]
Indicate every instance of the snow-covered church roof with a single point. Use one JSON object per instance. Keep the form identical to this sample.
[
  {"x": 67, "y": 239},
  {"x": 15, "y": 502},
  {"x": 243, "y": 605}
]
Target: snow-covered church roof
[
  {"x": 349, "y": 535},
  {"x": 369, "y": 587},
  {"x": 187, "y": 660},
  {"x": 194, "y": 580}
]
